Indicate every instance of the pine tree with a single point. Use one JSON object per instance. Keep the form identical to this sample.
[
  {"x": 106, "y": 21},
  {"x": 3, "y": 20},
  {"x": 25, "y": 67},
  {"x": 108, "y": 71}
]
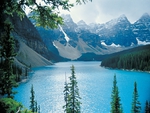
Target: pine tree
[
  {"x": 73, "y": 104},
  {"x": 32, "y": 100},
  {"x": 7, "y": 78},
  {"x": 66, "y": 92},
  {"x": 147, "y": 107},
  {"x": 36, "y": 107},
  {"x": 136, "y": 106},
  {"x": 115, "y": 103}
]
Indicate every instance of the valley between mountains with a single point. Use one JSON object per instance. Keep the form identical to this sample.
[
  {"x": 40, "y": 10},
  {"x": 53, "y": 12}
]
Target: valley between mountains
[
  {"x": 37, "y": 46},
  {"x": 72, "y": 40}
]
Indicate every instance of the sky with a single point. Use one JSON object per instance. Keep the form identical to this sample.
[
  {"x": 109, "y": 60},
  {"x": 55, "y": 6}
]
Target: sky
[{"x": 102, "y": 11}]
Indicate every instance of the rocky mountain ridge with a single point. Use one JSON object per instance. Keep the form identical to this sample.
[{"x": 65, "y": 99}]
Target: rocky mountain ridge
[
  {"x": 72, "y": 40},
  {"x": 30, "y": 49}
]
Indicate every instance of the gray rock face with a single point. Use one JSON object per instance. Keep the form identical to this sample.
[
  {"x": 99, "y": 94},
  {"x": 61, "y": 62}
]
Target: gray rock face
[
  {"x": 30, "y": 48},
  {"x": 113, "y": 36}
]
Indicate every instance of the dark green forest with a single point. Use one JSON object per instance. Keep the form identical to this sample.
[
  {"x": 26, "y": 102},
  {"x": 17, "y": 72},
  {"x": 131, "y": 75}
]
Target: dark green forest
[{"x": 137, "y": 58}]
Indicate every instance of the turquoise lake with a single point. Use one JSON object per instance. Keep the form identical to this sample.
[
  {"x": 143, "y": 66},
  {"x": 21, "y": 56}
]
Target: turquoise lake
[{"x": 94, "y": 82}]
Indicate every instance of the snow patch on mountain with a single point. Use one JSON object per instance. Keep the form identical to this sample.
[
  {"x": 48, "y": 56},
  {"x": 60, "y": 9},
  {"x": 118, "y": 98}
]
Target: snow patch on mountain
[
  {"x": 55, "y": 45},
  {"x": 66, "y": 37},
  {"x": 132, "y": 44},
  {"x": 103, "y": 43},
  {"x": 114, "y": 45},
  {"x": 142, "y": 42}
]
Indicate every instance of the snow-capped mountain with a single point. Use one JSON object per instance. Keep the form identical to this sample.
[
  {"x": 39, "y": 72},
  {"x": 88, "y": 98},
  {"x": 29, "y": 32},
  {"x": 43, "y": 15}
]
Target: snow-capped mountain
[
  {"x": 141, "y": 28},
  {"x": 117, "y": 31},
  {"x": 69, "y": 24},
  {"x": 72, "y": 40},
  {"x": 122, "y": 21},
  {"x": 82, "y": 25}
]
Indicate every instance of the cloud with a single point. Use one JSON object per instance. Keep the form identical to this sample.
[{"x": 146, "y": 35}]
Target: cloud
[{"x": 102, "y": 11}]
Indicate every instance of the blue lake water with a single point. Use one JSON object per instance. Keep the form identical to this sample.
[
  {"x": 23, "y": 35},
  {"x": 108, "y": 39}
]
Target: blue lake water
[{"x": 94, "y": 82}]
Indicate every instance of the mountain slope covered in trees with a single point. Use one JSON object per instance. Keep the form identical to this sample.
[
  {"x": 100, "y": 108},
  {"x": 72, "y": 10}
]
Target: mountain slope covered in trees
[
  {"x": 28, "y": 43},
  {"x": 137, "y": 58}
]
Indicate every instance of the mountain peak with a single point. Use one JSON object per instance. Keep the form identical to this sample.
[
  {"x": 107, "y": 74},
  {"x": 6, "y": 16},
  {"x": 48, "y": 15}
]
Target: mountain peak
[
  {"x": 82, "y": 25},
  {"x": 144, "y": 18},
  {"x": 145, "y": 15},
  {"x": 81, "y": 22},
  {"x": 122, "y": 17},
  {"x": 113, "y": 22},
  {"x": 67, "y": 18}
]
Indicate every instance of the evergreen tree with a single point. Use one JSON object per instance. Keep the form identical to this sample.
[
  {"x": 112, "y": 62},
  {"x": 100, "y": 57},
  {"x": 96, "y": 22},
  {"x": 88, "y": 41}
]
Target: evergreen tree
[
  {"x": 32, "y": 100},
  {"x": 7, "y": 78},
  {"x": 147, "y": 107},
  {"x": 33, "y": 103},
  {"x": 136, "y": 106},
  {"x": 66, "y": 92},
  {"x": 36, "y": 107},
  {"x": 115, "y": 103},
  {"x": 73, "y": 103}
]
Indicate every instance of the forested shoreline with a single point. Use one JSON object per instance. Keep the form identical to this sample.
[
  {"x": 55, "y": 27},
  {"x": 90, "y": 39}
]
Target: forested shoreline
[{"x": 133, "y": 59}]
